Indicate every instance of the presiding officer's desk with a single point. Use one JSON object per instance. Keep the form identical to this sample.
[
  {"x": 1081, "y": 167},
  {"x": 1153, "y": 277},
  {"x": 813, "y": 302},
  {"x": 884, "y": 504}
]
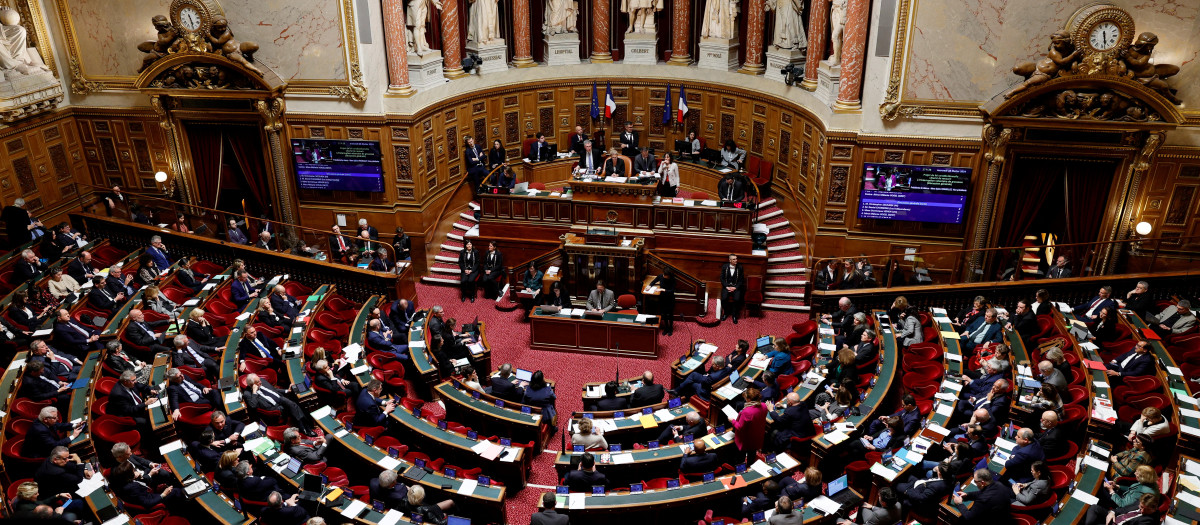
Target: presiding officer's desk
[{"x": 614, "y": 334}]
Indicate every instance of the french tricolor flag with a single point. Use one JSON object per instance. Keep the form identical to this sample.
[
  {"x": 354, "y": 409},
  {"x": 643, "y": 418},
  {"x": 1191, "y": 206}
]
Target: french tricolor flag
[
  {"x": 682, "y": 105},
  {"x": 610, "y": 105}
]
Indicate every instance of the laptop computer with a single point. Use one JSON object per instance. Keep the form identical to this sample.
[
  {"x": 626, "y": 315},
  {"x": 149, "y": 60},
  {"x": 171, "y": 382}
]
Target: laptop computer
[
  {"x": 838, "y": 491},
  {"x": 524, "y": 375},
  {"x": 737, "y": 380},
  {"x": 683, "y": 146},
  {"x": 764, "y": 342},
  {"x": 293, "y": 467},
  {"x": 521, "y": 187}
]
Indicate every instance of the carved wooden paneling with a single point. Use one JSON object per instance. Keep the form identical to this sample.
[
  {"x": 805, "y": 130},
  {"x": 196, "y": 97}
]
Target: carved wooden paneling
[
  {"x": 24, "y": 172},
  {"x": 546, "y": 122},
  {"x": 480, "y": 132},
  {"x": 656, "y": 116},
  {"x": 727, "y": 124},
  {"x": 756, "y": 143},
  {"x": 512, "y": 133},
  {"x": 316, "y": 132},
  {"x": 429, "y": 165},
  {"x": 1181, "y": 204},
  {"x": 108, "y": 153},
  {"x": 785, "y": 147},
  {"x": 452, "y": 143},
  {"x": 838, "y": 174},
  {"x": 583, "y": 117},
  {"x": 403, "y": 164}
]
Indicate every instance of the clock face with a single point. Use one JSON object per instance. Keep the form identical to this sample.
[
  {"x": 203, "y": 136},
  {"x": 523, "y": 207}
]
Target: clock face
[
  {"x": 189, "y": 18},
  {"x": 1104, "y": 36}
]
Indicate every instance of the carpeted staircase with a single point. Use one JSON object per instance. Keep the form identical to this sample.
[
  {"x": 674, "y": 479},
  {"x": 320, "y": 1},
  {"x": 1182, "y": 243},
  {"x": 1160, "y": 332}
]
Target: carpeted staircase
[{"x": 445, "y": 264}]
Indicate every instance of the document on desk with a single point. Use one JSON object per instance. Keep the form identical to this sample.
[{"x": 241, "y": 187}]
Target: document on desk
[
  {"x": 825, "y": 505},
  {"x": 354, "y": 509},
  {"x": 391, "y": 517},
  {"x": 945, "y": 410},
  {"x": 835, "y": 437},
  {"x": 487, "y": 450},
  {"x": 827, "y": 346},
  {"x": 949, "y": 335},
  {"x": 945, "y": 396},
  {"x": 953, "y": 356},
  {"x": 939, "y": 429},
  {"x": 1189, "y": 498},
  {"x": 729, "y": 392},
  {"x": 576, "y": 500},
  {"x": 761, "y": 468},
  {"x": 886, "y": 473},
  {"x": 951, "y": 385},
  {"x": 389, "y": 463},
  {"x": 663, "y": 414},
  {"x": 467, "y": 487},
  {"x": 1096, "y": 463},
  {"x": 622, "y": 459},
  {"x": 594, "y": 391},
  {"x": 1004, "y": 444},
  {"x": 648, "y": 421},
  {"x": 1084, "y": 497}
]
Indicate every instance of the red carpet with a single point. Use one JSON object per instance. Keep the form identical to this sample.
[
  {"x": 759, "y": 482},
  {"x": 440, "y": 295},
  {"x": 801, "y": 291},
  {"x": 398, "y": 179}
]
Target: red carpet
[{"x": 508, "y": 335}]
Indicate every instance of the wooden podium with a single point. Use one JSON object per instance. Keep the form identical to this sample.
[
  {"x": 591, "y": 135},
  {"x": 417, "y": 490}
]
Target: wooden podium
[
  {"x": 618, "y": 192},
  {"x": 598, "y": 255}
]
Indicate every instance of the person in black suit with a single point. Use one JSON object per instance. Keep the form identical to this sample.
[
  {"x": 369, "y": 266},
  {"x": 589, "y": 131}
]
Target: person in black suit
[
  {"x": 188, "y": 277},
  {"x": 102, "y": 298},
  {"x": 60, "y": 243},
  {"x": 402, "y": 245},
  {"x": 285, "y": 303},
  {"x": 733, "y": 287},
  {"x": 1134, "y": 363},
  {"x": 227, "y": 433},
  {"x": 188, "y": 353},
  {"x": 370, "y": 410},
  {"x": 267, "y": 315},
  {"x": 255, "y": 344},
  {"x": 371, "y": 232},
  {"x": 151, "y": 473},
  {"x": 122, "y": 480},
  {"x": 80, "y": 268},
  {"x": 648, "y": 394},
  {"x": 699, "y": 460},
  {"x": 261, "y": 396},
  {"x": 497, "y": 155},
  {"x": 644, "y": 161},
  {"x": 308, "y": 451},
  {"x": 763, "y": 501},
  {"x": 666, "y": 300},
  {"x": 614, "y": 165},
  {"x": 629, "y": 140},
  {"x": 181, "y": 389},
  {"x": 557, "y": 297},
  {"x": 577, "y": 140},
  {"x": 549, "y": 516},
  {"x": 476, "y": 161},
  {"x": 793, "y": 420},
  {"x": 493, "y": 271},
  {"x": 324, "y": 379},
  {"x": 385, "y": 489},
  {"x": 730, "y": 189},
  {"x": 1060, "y": 270},
  {"x": 204, "y": 453},
  {"x": 1089, "y": 312},
  {"x": 62, "y": 367},
  {"x": 504, "y": 387},
  {"x": 251, "y": 487},
  {"x": 401, "y": 315},
  {"x": 280, "y": 511},
  {"x": 39, "y": 386},
  {"x": 22, "y": 228},
  {"x": 468, "y": 271},
  {"x": 141, "y": 332},
  {"x": 585, "y": 477},
  {"x": 381, "y": 263},
  {"x": 590, "y": 160},
  {"x": 1142, "y": 512},
  {"x": 693, "y": 426},
  {"x": 241, "y": 291},
  {"x": 22, "y": 313},
  {"x": 610, "y": 401},
  {"x": 1139, "y": 301},
  {"x": 341, "y": 247},
  {"x": 923, "y": 496},
  {"x": 128, "y": 399},
  {"x": 1023, "y": 322},
  {"x": 992, "y": 501},
  {"x": 539, "y": 150},
  {"x": 46, "y": 433},
  {"x": 28, "y": 268},
  {"x": 62, "y": 472},
  {"x": 118, "y": 281}
]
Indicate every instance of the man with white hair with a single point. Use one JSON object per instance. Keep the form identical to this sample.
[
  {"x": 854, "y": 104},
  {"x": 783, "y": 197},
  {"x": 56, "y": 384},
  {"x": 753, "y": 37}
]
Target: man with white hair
[
  {"x": 1174, "y": 319},
  {"x": 158, "y": 252},
  {"x": 262, "y": 396},
  {"x": 191, "y": 354},
  {"x": 22, "y": 228},
  {"x": 118, "y": 281},
  {"x": 385, "y": 489},
  {"x": 1053, "y": 377},
  {"x": 28, "y": 268},
  {"x": 308, "y": 451},
  {"x": 372, "y": 233},
  {"x": 40, "y": 386},
  {"x": 181, "y": 389},
  {"x": 280, "y": 510},
  {"x": 151, "y": 473},
  {"x": 128, "y": 398},
  {"x": 46, "y": 433}
]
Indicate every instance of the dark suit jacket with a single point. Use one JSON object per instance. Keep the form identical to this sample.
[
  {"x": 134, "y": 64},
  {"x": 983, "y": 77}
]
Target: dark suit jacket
[
  {"x": 40, "y": 439},
  {"x": 54, "y": 479},
  {"x": 137, "y": 334},
  {"x": 1026, "y": 325},
  {"x": 925, "y": 498},
  {"x": 490, "y": 265},
  {"x": 102, "y": 299},
  {"x": 258, "y": 401},
  {"x": 843, "y": 321},
  {"x": 548, "y": 517},
  {"x": 336, "y": 251},
  {"x": 176, "y": 393},
  {"x": 190, "y": 279},
  {"x": 305, "y": 453},
  {"x": 1140, "y": 303},
  {"x": 631, "y": 138},
  {"x": 576, "y": 143},
  {"x": 506, "y": 389},
  {"x": 992, "y": 505},
  {"x": 738, "y": 280},
  {"x": 24, "y": 270},
  {"x": 38, "y": 389},
  {"x": 395, "y": 497},
  {"x": 138, "y": 494},
  {"x": 232, "y": 426},
  {"x": 185, "y": 358},
  {"x": 614, "y": 166},
  {"x": 644, "y": 164},
  {"x": 285, "y": 304},
  {"x": 699, "y": 463},
  {"x": 864, "y": 352},
  {"x": 993, "y": 334},
  {"x": 381, "y": 265},
  {"x": 597, "y": 160},
  {"x": 401, "y": 320},
  {"x": 1082, "y": 310},
  {"x": 121, "y": 403},
  {"x": 201, "y": 333},
  {"x": 240, "y": 293},
  {"x": 246, "y": 347},
  {"x": 1053, "y": 442},
  {"x": 538, "y": 152},
  {"x": 646, "y": 395},
  {"x": 69, "y": 339},
  {"x": 285, "y": 515},
  {"x": 117, "y": 285},
  {"x": 79, "y": 271},
  {"x": 731, "y": 190},
  {"x": 1140, "y": 365},
  {"x": 468, "y": 264},
  {"x": 368, "y": 411},
  {"x": 257, "y": 488},
  {"x": 584, "y": 480},
  {"x": 1017, "y": 466},
  {"x": 612, "y": 403},
  {"x": 794, "y": 421},
  {"x": 376, "y": 341},
  {"x": 17, "y": 220}
]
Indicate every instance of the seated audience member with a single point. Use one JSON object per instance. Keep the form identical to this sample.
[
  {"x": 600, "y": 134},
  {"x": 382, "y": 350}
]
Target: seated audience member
[
  {"x": 251, "y": 487},
  {"x": 997, "y": 402},
  {"x": 281, "y": 511},
  {"x": 1060, "y": 270},
  {"x": 199, "y": 329},
  {"x": 401, "y": 314},
  {"x": 585, "y": 477},
  {"x": 539, "y": 150},
  {"x": 887, "y": 439},
  {"x": 549, "y": 516},
  {"x": 842, "y": 319},
  {"x": 147, "y": 271},
  {"x": 1089, "y": 312},
  {"x": 1052, "y": 439},
  {"x": 694, "y": 427},
  {"x": 1142, "y": 512},
  {"x": 1046, "y": 398},
  {"x": 610, "y": 401},
  {"x": 781, "y": 358},
  {"x": 370, "y": 409},
  {"x": 909, "y": 414},
  {"x": 188, "y": 353},
  {"x": 256, "y": 344},
  {"x": 72, "y": 337},
  {"x": 839, "y": 402},
  {"x": 992, "y": 501},
  {"x": 1136, "y": 362},
  {"x": 128, "y": 398},
  {"x": 1104, "y": 330},
  {"x": 614, "y": 165},
  {"x": 429, "y": 512},
  {"x": 28, "y": 268},
  {"x": 541, "y": 395},
  {"x": 739, "y": 354},
  {"x": 761, "y": 502},
  {"x": 386, "y": 489},
  {"x": 924, "y": 495},
  {"x": 341, "y": 247},
  {"x": 154, "y": 300},
  {"x": 865, "y": 350},
  {"x": 791, "y": 421},
  {"x": 189, "y": 277},
  {"x": 504, "y": 387},
  {"x": 701, "y": 384},
  {"x": 1152, "y": 425},
  {"x": 262, "y": 396},
  {"x": 141, "y": 332},
  {"x": 1138, "y": 300},
  {"x": 732, "y": 157},
  {"x": 123, "y": 480},
  {"x": 325, "y": 379},
  {"x": 1023, "y": 322},
  {"x": 648, "y": 394},
  {"x": 24, "y": 316},
  {"x": 588, "y": 438},
  {"x": 62, "y": 367},
  {"x": 101, "y": 297},
  {"x": 181, "y": 389},
  {"x": 227, "y": 433},
  {"x": 985, "y": 329},
  {"x": 46, "y": 433},
  {"x": 1117, "y": 496},
  {"x": 557, "y": 297},
  {"x": 62, "y": 472},
  {"x": 1021, "y": 458},
  {"x": 730, "y": 188},
  {"x": 854, "y": 334},
  {"x": 284, "y": 302},
  {"x": 910, "y": 331},
  {"x": 809, "y": 487},
  {"x": 471, "y": 378},
  {"x": 1035, "y": 490},
  {"x": 149, "y": 472},
  {"x": 308, "y": 451},
  {"x": 968, "y": 316},
  {"x": 266, "y": 241},
  {"x": 267, "y": 315},
  {"x": 37, "y": 385},
  {"x": 380, "y": 340},
  {"x": 80, "y": 268},
  {"x": 61, "y": 285},
  {"x": 118, "y": 281},
  {"x": 886, "y": 511},
  {"x": 242, "y": 290},
  {"x": 1053, "y": 377},
  {"x": 381, "y": 262},
  {"x": 1174, "y": 319},
  {"x": 980, "y": 419},
  {"x": 235, "y": 234},
  {"x": 699, "y": 459}
]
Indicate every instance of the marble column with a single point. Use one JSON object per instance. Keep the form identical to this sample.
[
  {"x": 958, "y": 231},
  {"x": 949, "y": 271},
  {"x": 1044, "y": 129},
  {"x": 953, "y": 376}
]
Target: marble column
[
  {"x": 756, "y": 21},
  {"x": 600, "y": 27},
  {"x": 854, "y": 44},
  {"x": 681, "y": 31},
  {"x": 818, "y": 26},
  {"x": 397, "y": 48},
  {"x": 522, "y": 51},
  {"x": 451, "y": 44}
]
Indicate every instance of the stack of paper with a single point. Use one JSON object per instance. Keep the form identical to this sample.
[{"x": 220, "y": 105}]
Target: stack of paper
[
  {"x": 487, "y": 450},
  {"x": 825, "y": 505},
  {"x": 886, "y": 473},
  {"x": 352, "y": 510},
  {"x": 467, "y": 487},
  {"x": 729, "y": 412},
  {"x": 729, "y": 392},
  {"x": 835, "y": 437},
  {"x": 576, "y": 500}
]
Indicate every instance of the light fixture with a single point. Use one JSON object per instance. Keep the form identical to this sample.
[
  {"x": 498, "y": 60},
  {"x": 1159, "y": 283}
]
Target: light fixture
[
  {"x": 1143, "y": 228},
  {"x": 160, "y": 177}
]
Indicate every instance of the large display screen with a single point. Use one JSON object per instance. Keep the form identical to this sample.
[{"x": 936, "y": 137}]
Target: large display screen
[
  {"x": 899, "y": 192},
  {"x": 338, "y": 165}
]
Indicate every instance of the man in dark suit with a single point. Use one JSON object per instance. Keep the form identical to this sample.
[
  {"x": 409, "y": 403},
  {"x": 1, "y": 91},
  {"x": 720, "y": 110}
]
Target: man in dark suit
[
  {"x": 699, "y": 460},
  {"x": 992, "y": 501},
  {"x": 341, "y": 246},
  {"x": 62, "y": 367},
  {"x": 380, "y": 262},
  {"x": 308, "y": 451},
  {"x": 1089, "y": 312},
  {"x": 181, "y": 389},
  {"x": 128, "y": 399},
  {"x": 158, "y": 252},
  {"x": 693, "y": 426},
  {"x": 235, "y": 234},
  {"x": 733, "y": 287},
  {"x": 251, "y": 487},
  {"x": 629, "y": 140},
  {"x": 227, "y": 433},
  {"x": 577, "y": 140},
  {"x": 401, "y": 315},
  {"x": 385, "y": 489},
  {"x": 28, "y": 268},
  {"x": 60, "y": 473},
  {"x": 730, "y": 189},
  {"x": 39, "y": 386},
  {"x": 864, "y": 349},
  {"x": 203, "y": 452},
  {"x": 909, "y": 415},
  {"x": 188, "y": 277},
  {"x": 152, "y": 473},
  {"x": 493, "y": 271},
  {"x": 380, "y": 340},
  {"x": 1144, "y": 511},
  {"x": 549, "y": 516},
  {"x": 1053, "y": 439},
  {"x": 590, "y": 159},
  {"x": 539, "y": 150},
  {"x": 122, "y": 479},
  {"x": 468, "y": 271},
  {"x": 644, "y": 161},
  {"x": 284, "y": 303},
  {"x": 46, "y": 433},
  {"x": 476, "y": 161},
  {"x": 80, "y": 268},
  {"x": 1016, "y": 469},
  {"x": 1138, "y": 300},
  {"x": 241, "y": 291},
  {"x": 283, "y": 512},
  {"x": 923, "y": 496},
  {"x": 842, "y": 319},
  {"x": 255, "y": 344},
  {"x": 610, "y": 401},
  {"x": 61, "y": 243},
  {"x": 648, "y": 394},
  {"x": 793, "y": 421},
  {"x": 1023, "y": 322},
  {"x": 265, "y": 241},
  {"x": 1060, "y": 270},
  {"x": 995, "y": 401},
  {"x": 371, "y": 232},
  {"x": 195, "y": 355},
  {"x": 370, "y": 411},
  {"x": 102, "y": 298},
  {"x": 701, "y": 384},
  {"x": 504, "y": 387},
  {"x": 141, "y": 332},
  {"x": 261, "y": 396},
  {"x": 1136, "y": 362},
  {"x": 585, "y": 477},
  {"x": 986, "y": 329},
  {"x": 22, "y": 228},
  {"x": 118, "y": 281}
]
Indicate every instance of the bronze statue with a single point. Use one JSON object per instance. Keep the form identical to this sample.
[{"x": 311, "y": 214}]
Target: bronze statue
[
  {"x": 1137, "y": 59},
  {"x": 1058, "y": 59},
  {"x": 223, "y": 42},
  {"x": 160, "y": 46}
]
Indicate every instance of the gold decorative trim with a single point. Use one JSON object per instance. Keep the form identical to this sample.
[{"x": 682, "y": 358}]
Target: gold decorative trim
[
  {"x": 81, "y": 85},
  {"x": 356, "y": 91}
]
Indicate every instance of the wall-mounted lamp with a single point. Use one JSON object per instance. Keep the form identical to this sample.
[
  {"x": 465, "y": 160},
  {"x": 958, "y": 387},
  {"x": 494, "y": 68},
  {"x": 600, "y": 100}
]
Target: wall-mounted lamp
[{"x": 1143, "y": 228}]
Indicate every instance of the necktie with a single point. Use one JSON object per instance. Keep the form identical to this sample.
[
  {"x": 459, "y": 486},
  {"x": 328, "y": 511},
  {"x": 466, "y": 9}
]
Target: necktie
[
  {"x": 199, "y": 360},
  {"x": 193, "y": 392},
  {"x": 79, "y": 328},
  {"x": 136, "y": 400},
  {"x": 341, "y": 243},
  {"x": 1092, "y": 310},
  {"x": 1126, "y": 361},
  {"x": 51, "y": 381},
  {"x": 268, "y": 395},
  {"x": 978, "y": 334}
]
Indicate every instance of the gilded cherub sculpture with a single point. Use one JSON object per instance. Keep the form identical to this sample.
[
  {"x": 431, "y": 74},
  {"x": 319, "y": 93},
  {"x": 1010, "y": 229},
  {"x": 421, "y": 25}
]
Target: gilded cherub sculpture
[
  {"x": 223, "y": 42},
  {"x": 1059, "y": 58}
]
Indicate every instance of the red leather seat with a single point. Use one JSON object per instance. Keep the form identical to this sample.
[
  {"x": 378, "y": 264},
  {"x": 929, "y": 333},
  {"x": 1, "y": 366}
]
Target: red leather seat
[
  {"x": 198, "y": 416},
  {"x": 297, "y": 290},
  {"x": 109, "y": 431},
  {"x": 206, "y": 267},
  {"x": 787, "y": 383},
  {"x": 805, "y": 352},
  {"x": 1066, "y": 457},
  {"x": 333, "y": 323},
  {"x": 627, "y": 304},
  {"x": 805, "y": 329},
  {"x": 105, "y": 385},
  {"x": 1038, "y": 510},
  {"x": 28, "y": 409}
]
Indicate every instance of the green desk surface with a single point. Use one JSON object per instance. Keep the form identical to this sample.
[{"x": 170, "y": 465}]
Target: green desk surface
[
  {"x": 370, "y": 453},
  {"x": 608, "y": 316},
  {"x": 295, "y": 363},
  {"x": 1181, "y": 510},
  {"x": 229, "y": 356},
  {"x": 625, "y": 423},
  {"x": 9, "y": 378},
  {"x": 646, "y": 455},
  {"x": 1093, "y": 376},
  {"x": 424, "y": 427},
  {"x": 453, "y": 395},
  {"x": 1175, "y": 382},
  {"x": 359, "y": 327},
  {"x": 890, "y": 355},
  {"x": 81, "y": 398},
  {"x": 1088, "y": 480},
  {"x": 417, "y": 353},
  {"x": 684, "y": 369},
  {"x": 159, "y": 414},
  {"x": 100, "y": 500},
  {"x": 218, "y": 507}
]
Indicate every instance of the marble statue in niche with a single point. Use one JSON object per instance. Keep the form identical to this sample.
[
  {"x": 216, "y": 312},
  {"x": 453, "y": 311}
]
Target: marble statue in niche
[
  {"x": 483, "y": 26},
  {"x": 222, "y": 42},
  {"x": 641, "y": 14},
  {"x": 560, "y": 17},
  {"x": 416, "y": 18},
  {"x": 161, "y": 45},
  {"x": 16, "y": 57},
  {"x": 837, "y": 23},
  {"x": 720, "y": 19},
  {"x": 789, "y": 27}
]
